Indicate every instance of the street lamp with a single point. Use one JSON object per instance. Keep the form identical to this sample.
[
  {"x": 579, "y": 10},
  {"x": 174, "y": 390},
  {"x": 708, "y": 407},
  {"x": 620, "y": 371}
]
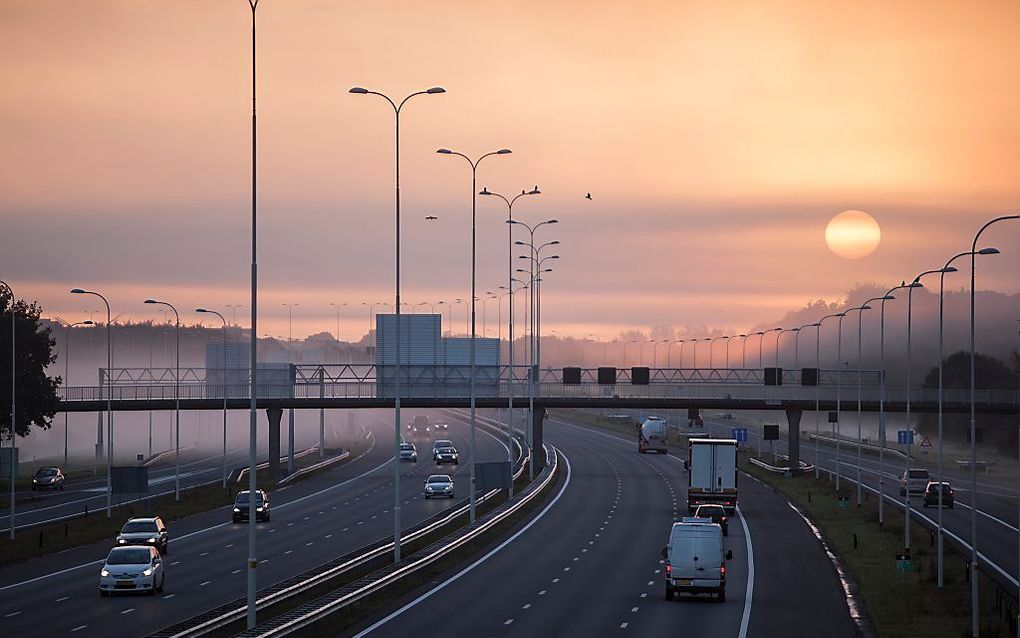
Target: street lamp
[
  {"x": 14, "y": 425},
  {"x": 67, "y": 372},
  {"x": 396, "y": 305},
  {"x": 818, "y": 382},
  {"x": 743, "y": 351},
  {"x": 974, "y": 610},
  {"x": 532, "y": 320},
  {"x": 860, "y": 372},
  {"x": 761, "y": 342},
  {"x": 796, "y": 344},
  {"x": 109, "y": 403},
  {"x": 337, "y": 307},
  {"x": 779, "y": 335},
  {"x": 213, "y": 312},
  {"x": 177, "y": 399},
  {"x": 510, "y": 291},
  {"x": 696, "y": 343}
]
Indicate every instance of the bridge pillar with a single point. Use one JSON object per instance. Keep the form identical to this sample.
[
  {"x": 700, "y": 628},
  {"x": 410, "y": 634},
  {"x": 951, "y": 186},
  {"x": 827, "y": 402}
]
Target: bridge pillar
[
  {"x": 290, "y": 442},
  {"x": 275, "y": 416},
  {"x": 793, "y": 420},
  {"x": 538, "y": 457}
]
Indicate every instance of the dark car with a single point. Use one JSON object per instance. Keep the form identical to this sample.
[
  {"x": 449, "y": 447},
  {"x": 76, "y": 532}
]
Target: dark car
[
  {"x": 145, "y": 531},
  {"x": 242, "y": 506},
  {"x": 442, "y": 426},
  {"x": 931, "y": 494},
  {"x": 48, "y": 478},
  {"x": 447, "y": 455},
  {"x": 718, "y": 515}
]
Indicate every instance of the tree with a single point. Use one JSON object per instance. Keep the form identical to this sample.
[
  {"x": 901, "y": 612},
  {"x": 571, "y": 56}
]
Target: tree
[
  {"x": 990, "y": 373},
  {"x": 37, "y": 400}
]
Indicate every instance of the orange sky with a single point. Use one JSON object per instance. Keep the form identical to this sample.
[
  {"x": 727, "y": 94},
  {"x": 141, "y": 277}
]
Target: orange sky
[{"x": 716, "y": 138}]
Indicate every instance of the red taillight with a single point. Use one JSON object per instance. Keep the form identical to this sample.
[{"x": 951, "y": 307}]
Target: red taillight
[
  {"x": 669, "y": 569},
  {"x": 724, "y": 518},
  {"x": 722, "y": 569}
]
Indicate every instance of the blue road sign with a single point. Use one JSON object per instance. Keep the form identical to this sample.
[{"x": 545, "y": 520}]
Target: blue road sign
[
  {"x": 905, "y": 437},
  {"x": 740, "y": 434}
]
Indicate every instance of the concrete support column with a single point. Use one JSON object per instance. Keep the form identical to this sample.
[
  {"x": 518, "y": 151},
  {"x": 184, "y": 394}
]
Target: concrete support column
[
  {"x": 537, "y": 421},
  {"x": 793, "y": 420},
  {"x": 290, "y": 442},
  {"x": 275, "y": 416}
]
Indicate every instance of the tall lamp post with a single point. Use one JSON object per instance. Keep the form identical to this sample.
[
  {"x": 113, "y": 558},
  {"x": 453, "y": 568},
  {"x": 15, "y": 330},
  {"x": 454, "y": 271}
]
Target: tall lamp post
[
  {"x": 531, "y": 369},
  {"x": 839, "y": 377},
  {"x": 396, "y": 305},
  {"x": 881, "y": 398},
  {"x": 177, "y": 400},
  {"x": 974, "y": 609},
  {"x": 67, "y": 372},
  {"x": 510, "y": 291},
  {"x": 860, "y": 371},
  {"x": 337, "y": 307},
  {"x": 222, "y": 319},
  {"x": 474, "y": 179},
  {"x": 818, "y": 381},
  {"x": 14, "y": 403},
  {"x": 779, "y": 335},
  {"x": 109, "y": 403}
]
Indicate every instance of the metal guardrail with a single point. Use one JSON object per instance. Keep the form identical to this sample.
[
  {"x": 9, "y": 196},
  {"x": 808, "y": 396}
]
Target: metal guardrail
[
  {"x": 333, "y": 460},
  {"x": 236, "y": 610},
  {"x": 264, "y": 464},
  {"x": 889, "y": 449},
  {"x": 804, "y": 466},
  {"x": 298, "y": 619}
]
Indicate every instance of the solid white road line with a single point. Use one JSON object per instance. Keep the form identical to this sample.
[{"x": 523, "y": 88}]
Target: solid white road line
[
  {"x": 490, "y": 554},
  {"x": 749, "y": 592}
]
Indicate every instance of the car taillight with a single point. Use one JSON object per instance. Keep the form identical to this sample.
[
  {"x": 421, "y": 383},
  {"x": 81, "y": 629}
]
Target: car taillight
[
  {"x": 669, "y": 569},
  {"x": 722, "y": 569}
]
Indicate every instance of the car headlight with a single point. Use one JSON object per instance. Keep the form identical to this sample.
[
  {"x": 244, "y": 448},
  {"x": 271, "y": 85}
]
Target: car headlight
[
  {"x": 35, "y": 481},
  {"x": 147, "y": 572},
  {"x": 237, "y": 509},
  {"x": 121, "y": 541},
  {"x": 258, "y": 509},
  {"x": 104, "y": 573},
  {"x": 153, "y": 539}
]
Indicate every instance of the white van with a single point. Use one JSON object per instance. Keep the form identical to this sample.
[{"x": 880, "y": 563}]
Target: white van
[{"x": 696, "y": 559}]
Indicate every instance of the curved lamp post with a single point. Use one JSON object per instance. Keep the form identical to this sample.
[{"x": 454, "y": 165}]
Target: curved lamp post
[
  {"x": 222, "y": 319},
  {"x": 177, "y": 400}
]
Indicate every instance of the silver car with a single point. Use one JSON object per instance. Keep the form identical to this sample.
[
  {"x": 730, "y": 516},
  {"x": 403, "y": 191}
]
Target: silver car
[
  {"x": 408, "y": 452},
  {"x": 439, "y": 486},
  {"x": 145, "y": 531},
  {"x": 131, "y": 570},
  {"x": 915, "y": 480}
]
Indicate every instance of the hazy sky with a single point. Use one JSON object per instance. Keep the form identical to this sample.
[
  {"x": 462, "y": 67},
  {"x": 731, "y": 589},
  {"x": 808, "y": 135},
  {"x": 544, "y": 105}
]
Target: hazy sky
[{"x": 717, "y": 140}]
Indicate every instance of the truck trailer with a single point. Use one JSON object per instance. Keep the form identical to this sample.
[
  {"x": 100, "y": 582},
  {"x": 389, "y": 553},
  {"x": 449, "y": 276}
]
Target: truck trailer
[{"x": 713, "y": 473}]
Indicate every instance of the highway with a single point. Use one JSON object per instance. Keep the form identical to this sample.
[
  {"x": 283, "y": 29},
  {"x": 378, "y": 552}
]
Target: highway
[
  {"x": 313, "y": 521},
  {"x": 996, "y": 503},
  {"x": 591, "y": 564}
]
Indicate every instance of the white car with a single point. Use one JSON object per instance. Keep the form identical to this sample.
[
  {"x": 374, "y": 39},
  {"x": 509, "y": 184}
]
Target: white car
[
  {"x": 132, "y": 569},
  {"x": 914, "y": 479},
  {"x": 439, "y": 485},
  {"x": 408, "y": 452}
]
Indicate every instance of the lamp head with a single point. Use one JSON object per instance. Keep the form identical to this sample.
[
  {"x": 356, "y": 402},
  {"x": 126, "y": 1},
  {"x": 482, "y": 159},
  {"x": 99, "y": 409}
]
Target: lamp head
[
  {"x": 988, "y": 251},
  {"x": 77, "y": 291},
  {"x": 201, "y": 310},
  {"x": 552, "y": 221},
  {"x": 358, "y": 90},
  {"x": 436, "y": 89},
  {"x": 865, "y": 307},
  {"x": 485, "y": 191},
  {"x": 444, "y": 151},
  {"x": 151, "y": 301},
  {"x": 534, "y": 191},
  {"x": 503, "y": 151},
  {"x": 949, "y": 269},
  {"x": 888, "y": 298}
]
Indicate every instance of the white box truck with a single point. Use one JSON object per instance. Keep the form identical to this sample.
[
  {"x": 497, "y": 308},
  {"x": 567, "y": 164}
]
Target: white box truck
[
  {"x": 713, "y": 473},
  {"x": 652, "y": 435}
]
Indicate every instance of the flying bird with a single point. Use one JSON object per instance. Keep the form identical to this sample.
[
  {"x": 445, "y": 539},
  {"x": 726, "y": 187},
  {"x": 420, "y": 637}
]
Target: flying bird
[{"x": 588, "y": 196}]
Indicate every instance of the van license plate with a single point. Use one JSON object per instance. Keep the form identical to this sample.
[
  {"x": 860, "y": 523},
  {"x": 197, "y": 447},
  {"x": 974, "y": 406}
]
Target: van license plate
[{"x": 683, "y": 582}]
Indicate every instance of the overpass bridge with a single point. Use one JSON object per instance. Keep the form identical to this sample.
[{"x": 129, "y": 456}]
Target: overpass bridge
[{"x": 310, "y": 386}]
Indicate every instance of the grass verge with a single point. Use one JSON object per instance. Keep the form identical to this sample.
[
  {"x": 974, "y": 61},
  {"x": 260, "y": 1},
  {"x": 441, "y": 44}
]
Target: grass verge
[{"x": 898, "y": 603}]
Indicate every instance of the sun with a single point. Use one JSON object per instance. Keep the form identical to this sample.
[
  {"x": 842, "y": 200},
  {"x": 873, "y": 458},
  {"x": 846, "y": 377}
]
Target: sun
[{"x": 853, "y": 234}]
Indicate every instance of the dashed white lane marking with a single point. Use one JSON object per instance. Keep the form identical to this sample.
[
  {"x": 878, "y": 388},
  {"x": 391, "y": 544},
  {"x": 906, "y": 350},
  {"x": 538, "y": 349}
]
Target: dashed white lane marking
[
  {"x": 361, "y": 522},
  {"x": 127, "y": 611},
  {"x": 308, "y": 518},
  {"x": 289, "y": 551},
  {"x": 556, "y": 580},
  {"x": 228, "y": 545},
  {"x": 290, "y": 523},
  {"x": 345, "y": 529},
  {"x": 205, "y": 583},
  {"x": 527, "y": 606},
  {"x": 236, "y": 571},
  {"x": 623, "y": 625},
  {"x": 204, "y": 554},
  {"x": 79, "y": 628},
  {"x": 12, "y": 614},
  {"x": 651, "y": 582},
  {"x": 176, "y": 562},
  {"x": 541, "y": 593},
  {"x": 169, "y": 596},
  {"x": 508, "y": 621},
  {"x": 644, "y": 594},
  {"x": 62, "y": 599},
  {"x": 329, "y": 536},
  {"x": 633, "y": 609},
  {"x": 566, "y": 569},
  {"x": 309, "y": 544}
]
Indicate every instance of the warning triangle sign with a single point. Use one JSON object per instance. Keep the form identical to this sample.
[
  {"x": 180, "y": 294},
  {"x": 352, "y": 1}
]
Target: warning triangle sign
[{"x": 925, "y": 442}]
